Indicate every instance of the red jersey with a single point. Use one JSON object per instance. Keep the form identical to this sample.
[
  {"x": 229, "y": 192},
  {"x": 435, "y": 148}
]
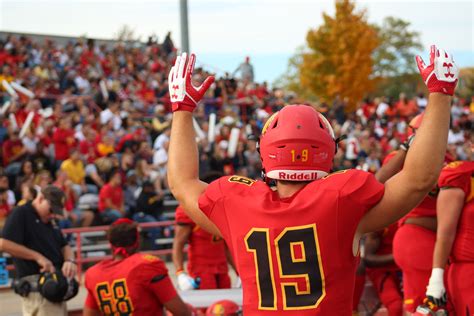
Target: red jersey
[
  {"x": 460, "y": 174},
  {"x": 138, "y": 284},
  {"x": 115, "y": 194},
  {"x": 201, "y": 244},
  {"x": 294, "y": 254}
]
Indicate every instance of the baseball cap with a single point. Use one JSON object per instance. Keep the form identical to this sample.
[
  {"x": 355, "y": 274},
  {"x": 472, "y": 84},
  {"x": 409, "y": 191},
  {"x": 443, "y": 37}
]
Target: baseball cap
[{"x": 56, "y": 198}]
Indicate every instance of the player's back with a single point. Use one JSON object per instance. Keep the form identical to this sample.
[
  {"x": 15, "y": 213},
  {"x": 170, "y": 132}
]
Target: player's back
[
  {"x": 294, "y": 255},
  {"x": 125, "y": 286}
]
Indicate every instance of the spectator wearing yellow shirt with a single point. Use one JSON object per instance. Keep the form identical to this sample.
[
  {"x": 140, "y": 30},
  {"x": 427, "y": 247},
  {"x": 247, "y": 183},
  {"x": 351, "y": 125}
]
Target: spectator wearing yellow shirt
[
  {"x": 74, "y": 168},
  {"x": 106, "y": 146},
  {"x": 5, "y": 74}
]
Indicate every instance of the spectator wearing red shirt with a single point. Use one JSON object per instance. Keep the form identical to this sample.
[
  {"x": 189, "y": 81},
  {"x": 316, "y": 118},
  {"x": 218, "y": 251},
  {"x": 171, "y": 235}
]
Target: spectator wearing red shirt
[
  {"x": 87, "y": 147},
  {"x": 63, "y": 139},
  {"x": 406, "y": 108},
  {"x": 111, "y": 201},
  {"x": 13, "y": 152}
]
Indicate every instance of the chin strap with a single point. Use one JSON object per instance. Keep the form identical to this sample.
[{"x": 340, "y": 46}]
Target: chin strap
[{"x": 338, "y": 140}]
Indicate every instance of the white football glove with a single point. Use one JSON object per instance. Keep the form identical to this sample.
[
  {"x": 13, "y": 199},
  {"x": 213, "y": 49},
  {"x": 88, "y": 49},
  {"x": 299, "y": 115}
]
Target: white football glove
[
  {"x": 435, "y": 290},
  {"x": 186, "y": 283},
  {"x": 441, "y": 75}
]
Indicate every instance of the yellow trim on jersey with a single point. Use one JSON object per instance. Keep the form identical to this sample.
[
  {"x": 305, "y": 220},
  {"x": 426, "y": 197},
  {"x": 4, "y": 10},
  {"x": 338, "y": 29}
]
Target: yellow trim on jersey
[
  {"x": 242, "y": 180},
  {"x": 453, "y": 165},
  {"x": 334, "y": 173},
  {"x": 305, "y": 276},
  {"x": 292, "y": 250},
  {"x": 267, "y": 236},
  {"x": 124, "y": 297},
  {"x": 104, "y": 298},
  {"x": 108, "y": 294}
]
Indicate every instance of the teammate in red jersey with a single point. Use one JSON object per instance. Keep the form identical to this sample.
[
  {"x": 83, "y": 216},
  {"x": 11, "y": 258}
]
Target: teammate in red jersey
[
  {"x": 210, "y": 270},
  {"x": 417, "y": 231},
  {"x": 295, "y": 245},
  {"x": 382, "y": 270},
  {"x": 130, "y": 282},
  {"x": 455, "y": 238}
]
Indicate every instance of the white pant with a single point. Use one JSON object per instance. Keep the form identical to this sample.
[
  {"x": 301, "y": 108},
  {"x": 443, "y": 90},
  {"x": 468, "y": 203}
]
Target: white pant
[{"x": 37, "y": 305}]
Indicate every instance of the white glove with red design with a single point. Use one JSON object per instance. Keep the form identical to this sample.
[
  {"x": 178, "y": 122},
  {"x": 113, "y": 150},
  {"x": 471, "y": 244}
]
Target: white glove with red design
[
  {"x": 441, "y": 75},
  {"x": 184, "y": 96}
]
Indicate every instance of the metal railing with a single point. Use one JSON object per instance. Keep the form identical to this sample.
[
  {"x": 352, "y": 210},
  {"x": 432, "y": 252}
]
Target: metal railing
[{"x": 80, "y": 259}]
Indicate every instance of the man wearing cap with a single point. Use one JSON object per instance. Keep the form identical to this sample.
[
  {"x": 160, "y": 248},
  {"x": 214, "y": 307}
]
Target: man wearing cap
[{"x": 37, "y": 245}]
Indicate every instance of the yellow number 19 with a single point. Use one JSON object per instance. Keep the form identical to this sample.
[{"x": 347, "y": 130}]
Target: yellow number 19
[{"x": 303, "y": 157}]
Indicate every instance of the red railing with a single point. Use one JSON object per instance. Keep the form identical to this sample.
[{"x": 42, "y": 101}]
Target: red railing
[{"x": 78, "y": 231}]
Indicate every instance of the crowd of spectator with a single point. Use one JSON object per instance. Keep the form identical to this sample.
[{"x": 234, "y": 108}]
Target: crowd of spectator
[{"x": 101, "y": 125}]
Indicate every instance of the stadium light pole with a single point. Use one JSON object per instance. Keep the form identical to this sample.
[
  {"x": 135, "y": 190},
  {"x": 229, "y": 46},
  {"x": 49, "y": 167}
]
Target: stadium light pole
[{"x": 183, "y": 6}]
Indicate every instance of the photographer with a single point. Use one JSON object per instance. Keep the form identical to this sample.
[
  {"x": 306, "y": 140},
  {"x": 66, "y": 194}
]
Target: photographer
[{"x": 41, "y": 254}]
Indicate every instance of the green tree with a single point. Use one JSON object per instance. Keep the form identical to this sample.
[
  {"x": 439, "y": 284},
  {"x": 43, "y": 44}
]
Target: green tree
[
  {"x": 395, "y": 68},
  {"x": 338, "y": 61},
  {"x": 465, "y": 87},
  {"x": 395, "y": 55}
]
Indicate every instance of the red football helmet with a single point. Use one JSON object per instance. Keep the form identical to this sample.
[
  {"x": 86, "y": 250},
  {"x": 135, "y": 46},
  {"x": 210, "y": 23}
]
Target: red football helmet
[
  {"x": 223, "y": 308},
  {"x": 297, "y": 144}
]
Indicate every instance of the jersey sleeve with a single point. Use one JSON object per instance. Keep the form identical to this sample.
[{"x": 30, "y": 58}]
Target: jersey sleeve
[
  {"x": 182, "y": 218},
  {"x": 360, "y": 192},
  {"x": 210, "y": 197},
  {"x": 456, "y": 175},
  {"x": 154, "y": 275},
  {"x": 362, "y": 189},
  {"x": 212, "y": 203}
]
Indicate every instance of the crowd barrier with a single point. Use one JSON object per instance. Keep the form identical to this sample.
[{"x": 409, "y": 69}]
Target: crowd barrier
[{"x": 81, "y": 260}]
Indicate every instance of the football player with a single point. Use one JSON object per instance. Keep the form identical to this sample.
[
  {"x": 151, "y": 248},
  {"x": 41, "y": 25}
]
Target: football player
[
  {"x": 204, "y": 271},
  {"x": 417, "y": 230},
  {"x": 382, "y": 270},
  {"x": 455, "y": 239},
  {"x": 296, "y": 243},
  {"x": 130, "y": 282}
]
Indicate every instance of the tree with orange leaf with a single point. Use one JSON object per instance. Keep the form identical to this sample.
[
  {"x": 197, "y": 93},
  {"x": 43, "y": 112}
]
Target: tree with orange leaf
[{"x": 338, "y": 61}]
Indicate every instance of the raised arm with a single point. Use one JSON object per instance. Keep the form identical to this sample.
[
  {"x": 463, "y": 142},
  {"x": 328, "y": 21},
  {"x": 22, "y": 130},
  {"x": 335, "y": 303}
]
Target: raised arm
[
  {"x": 426, "y": 155},
  {"x": 183, "y": 162}
]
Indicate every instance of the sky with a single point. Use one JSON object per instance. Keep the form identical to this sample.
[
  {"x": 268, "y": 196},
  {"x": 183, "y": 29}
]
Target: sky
[{"x": 223, "y": 32}]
